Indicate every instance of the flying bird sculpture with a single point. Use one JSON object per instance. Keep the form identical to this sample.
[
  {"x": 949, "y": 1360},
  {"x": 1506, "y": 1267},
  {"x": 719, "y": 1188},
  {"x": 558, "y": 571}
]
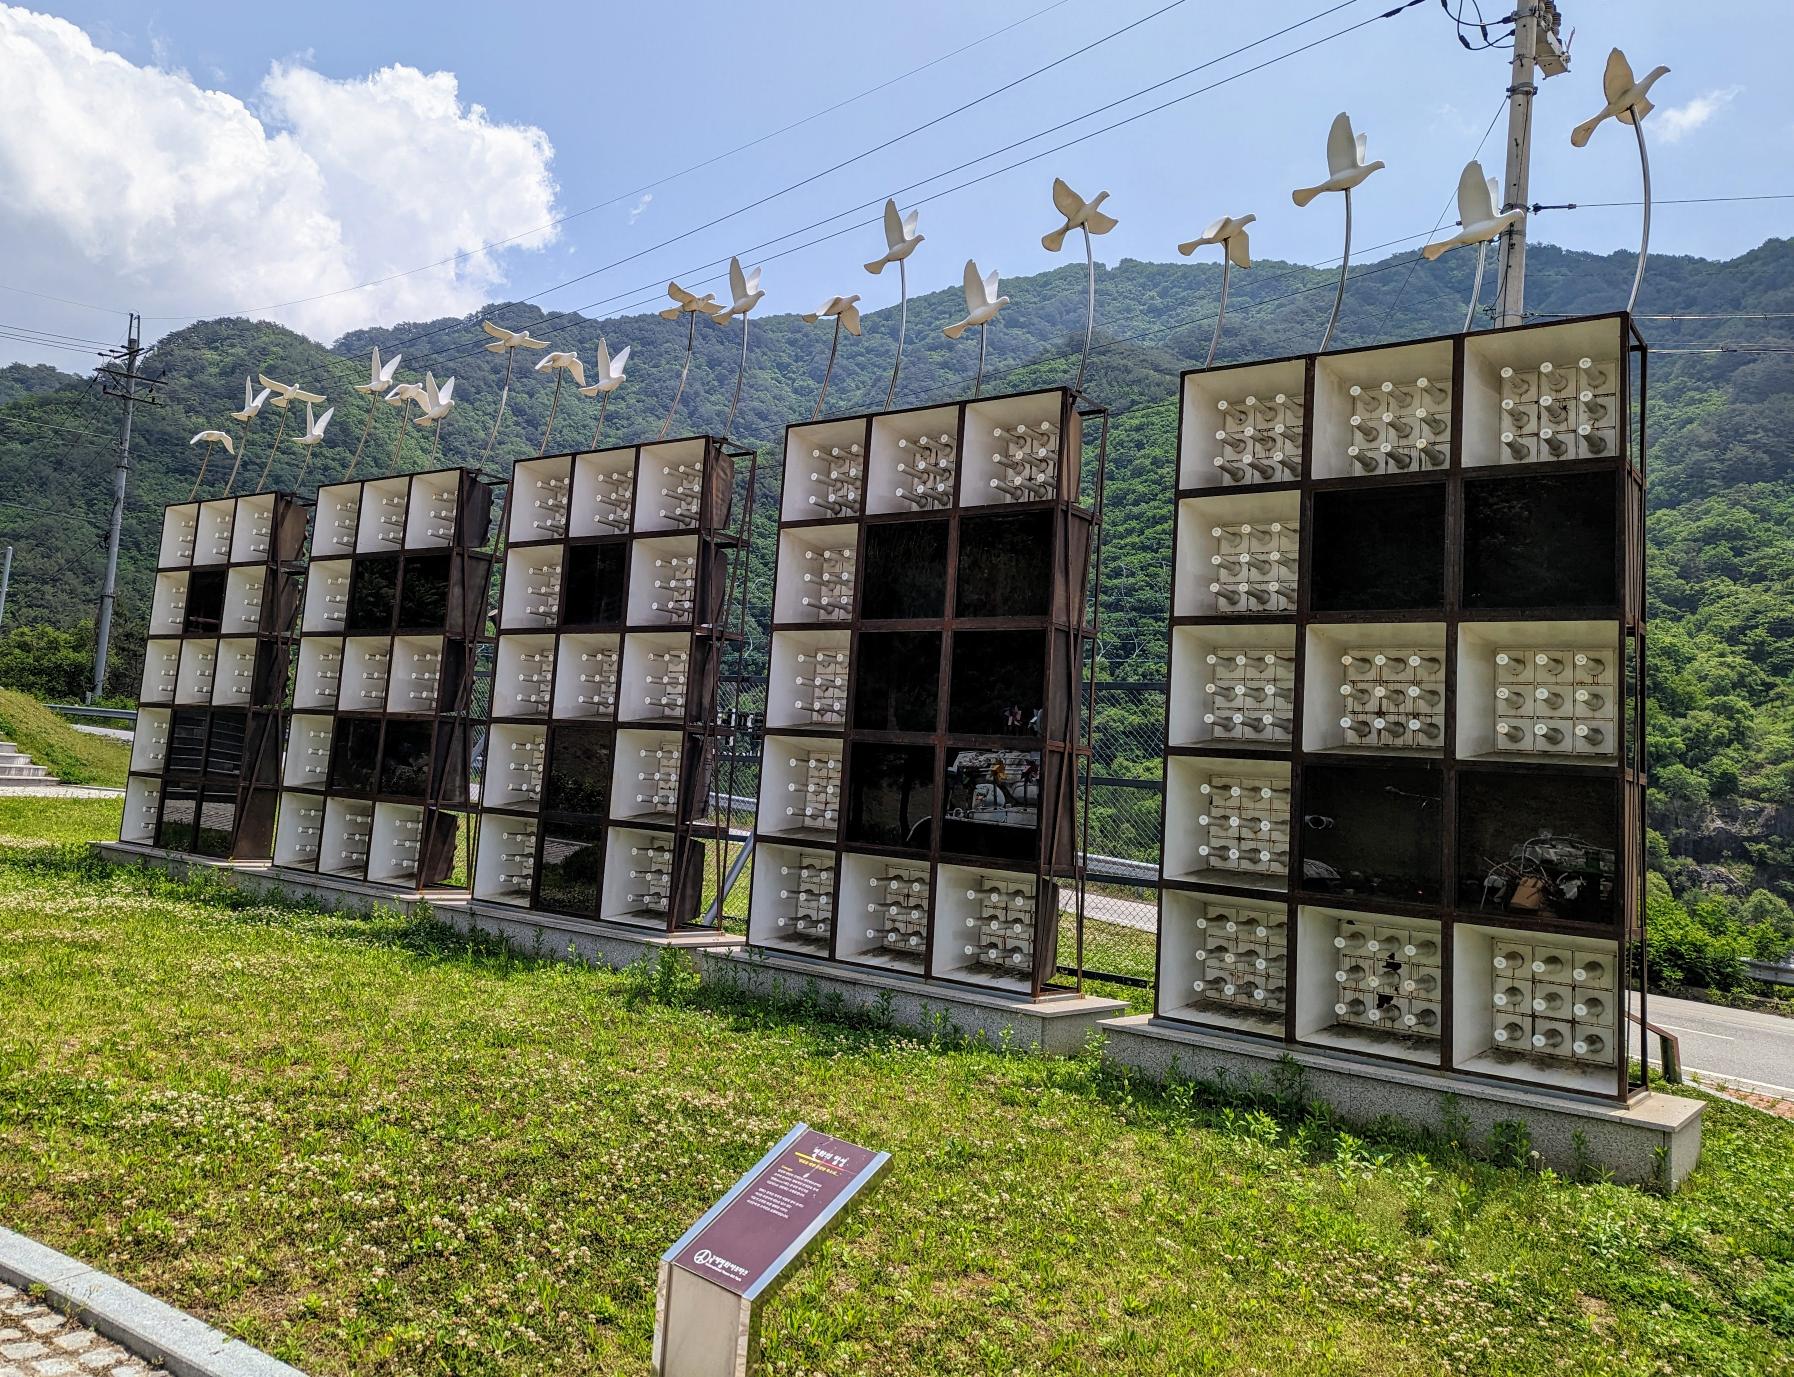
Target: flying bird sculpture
[
  {"x": 1236, "y": 251},
  {"x": 609, "y": 377},
  {"x": 1346, "y": 169},
  {"x": 982, "y": 305},
  {"x": 691, "y": 306},
  {"x": 900, "y": 242},
  {"x": 402, "y": 396},
  {"x": 1080, "y": 215},
  {"x": 284, "y": 395},
  {"x": 561, "y": 363},
  {"x": 846, "y": 315},
  {"x": 253, "y": 402},
  {"x": 436, "y": 403},
  {"x": 313, "y": 437},
  {"x": 211, "y": 437},
  {"x": 744, "y": 295},
  {"x": 1628, "y": 101},
  {"x": 506, "y": 342},
  {"x": 1478, "y": 223},
  {"x": 380, "y": 381}
]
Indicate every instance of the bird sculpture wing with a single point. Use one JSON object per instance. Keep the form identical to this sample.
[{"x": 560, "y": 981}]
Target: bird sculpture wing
[
  {"x": 1359, "y": 145},
  {"x": 909, "y": 224},
  {"x": 976, "y": 293},
  {"x": 498, "y": 332},
  {"x": 990, "y": 288},
  {"x": 248, "y": 393},
  {"x": 894, "y": 226},
  {"x": 1099, "y": 222},
  {"x": 300, "y": 395},
  {"x": 679, "y": 294},
  {"x": 1066, "y": 201},
  {"x": 1617, "y": 79},
  {"x": 614, "y": 367},
  {"x": 446, "y": 391},
  {"x": 310, "y": 424},
  {"x": 1239, "y": 246},
  {"x": 1476, "y": 202},
  {"x": 1342, "y": 149},
  {"x": 273, "y": 386},
  {"x": 738, "y": 285},
  {"x": 577, "y": 369},
  {"x": 374, "y": 374},
  {"x": 323, "y": 421},
  {"x": 392, "y": 366},
  {"x": 229, "y": 447},
  {"x": 850, "y": 317}
]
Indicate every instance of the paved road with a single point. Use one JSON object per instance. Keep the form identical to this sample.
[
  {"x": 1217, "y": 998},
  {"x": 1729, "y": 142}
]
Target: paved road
[{"x": 1751, "y": 1049}]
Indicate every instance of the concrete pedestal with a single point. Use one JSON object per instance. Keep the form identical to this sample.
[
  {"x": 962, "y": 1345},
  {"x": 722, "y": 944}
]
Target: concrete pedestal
[
  {"x": 262, "y": 878},
  {"x": 615, "y": 945},
  {"x": 1652, "y": 1139},
  {"x": 1055, "y": 1024}
]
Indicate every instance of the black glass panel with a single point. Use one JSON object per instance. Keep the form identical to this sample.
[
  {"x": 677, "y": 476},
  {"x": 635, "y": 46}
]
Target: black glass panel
[
  {"x": 999, "y": 680},
  {"x": 373, "y": 593},
  {"x": 405, "y": 759},
  {"x": 579, "y": 770},
  {"x": 904, "y": 573},
  {"x": 1374, "y": 831},
  {"x": 354, "y": 751},
  {"x": 1005, "y": 564},
  {"x": 180, "y": 809},
  {"x": 217, "y": 822},
  {"x": 890, "y": 795},
  {"x": 597, "y": 584},
  {"x": 224, "y": 749},
  {"x": 993, "y": 804},
  {"x": 1541, "y": 541},
  {"x": 572, "y": 866},
  {"x": 186, "y": 741},
  {"x": 424, "y": 592},
  {"x": 1379, "y": 550},
  {"x": 897, "y": 681},
  {"x": 1538, "y": 846},
  {"x": 205, "y": 601}
]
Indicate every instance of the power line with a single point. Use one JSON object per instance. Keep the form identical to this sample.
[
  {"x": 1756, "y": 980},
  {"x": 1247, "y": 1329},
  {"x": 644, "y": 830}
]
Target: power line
[
  {"x": 45, "y": 425},
  {"x": 66, "y": 301}
]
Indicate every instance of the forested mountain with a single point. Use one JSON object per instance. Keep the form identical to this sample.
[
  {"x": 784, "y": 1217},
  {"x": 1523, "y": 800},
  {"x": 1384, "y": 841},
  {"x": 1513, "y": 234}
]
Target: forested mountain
[{"x": 1721, "y": 445}]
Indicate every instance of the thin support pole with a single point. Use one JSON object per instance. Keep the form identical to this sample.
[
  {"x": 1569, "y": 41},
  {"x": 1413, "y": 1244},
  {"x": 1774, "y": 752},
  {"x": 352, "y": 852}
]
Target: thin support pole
[
  {"x": 740, "y": 376},
  {"x": 691, "y": 338},
  {"x": 299, "y": 482},
  {"x": 504, "y": 394},
  {"x": 902, "y": 326},
  {"x": 1476, "y": 287},
  {"x": 204, "y": 459},
  {"x": 436, "y": 438},
  {"x": 1089, "y": 311},
  {"x": 553, "y": 406},
  {"x": 398, "y": 446},
  {"x": 366, "y": 426},
  {"x": 268, "y": 467},
  {"x": 5, "y": 581},
  {"x": 1644, "y": 232},
  {"x": 983, "y": 339},
  {"x": 1221, "y": 312},
  {"x": 603, "y": 402},
  {"x": 242, "y": 449},
  {"x": 834, "y": 345},
  {"x": 1345, "y": 262}
]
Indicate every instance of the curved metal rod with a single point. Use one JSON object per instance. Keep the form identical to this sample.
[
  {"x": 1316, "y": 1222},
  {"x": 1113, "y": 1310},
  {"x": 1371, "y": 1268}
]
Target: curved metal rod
[
  {"x": 503, "y": 394},
  {"x": 204, "y": 459},
  {"x": 1221, "y": 314},
  {"x": 399, "y": 444},
  {"x": 279, "y": 431},
  {"x": 902, "y": 326},
  {"x": 1476, "y": 287},
  {"x": 603, "y": 402},
  {"x": 242, "y": 449},
  {"x": 834, "y": 345},
  {"x": 1089, "y": 310},
  {"x": 299, "y": 482},
  {"x": 740, "y": 374},
  {"x": 691, "y": 329},
  {"x": 436, "y": 439},
  {"x": 1644, "y": 233},
  {"x": 1344, "y": 263},
  {"x": 366, "y": 426},
  {"x": 983, "y": 339},
  {"x": 553, "y": 406}
]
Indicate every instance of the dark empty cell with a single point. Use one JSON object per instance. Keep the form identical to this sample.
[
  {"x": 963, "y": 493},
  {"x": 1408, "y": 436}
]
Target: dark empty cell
[
  {"x": 1541, "y": 541},
  {"x": 224, "y": 747},
  {"x": 1005, "y": 565},
  {"x": 405, "y": 759},
  {"x": 1374, "y": 831},
  {"x": 354, "y": 752},
  {"x": 890, "y": 795},
  {"x": 262, "y": 736},
  {"x": 1379, "y": 550},
  {"x": 180, "y": 809},
  {"x": 1538, "y": 845},
  {"x": 373, "y": 593},
  {"x": 572, "y": 866},
  {"x": 579, "y": 770},
  {"x": 216, "y": 823},
  {"x": 186, "y": 741},
  {"x": 596, "y": 584},
  {"x": 897, "y": 678},
  {"x": 205, "y": 602},
  {"x": 904, "y": 573},
  {"x": 452, "y": 764},
  {"x": 424, "y": 592},
  {"x": 992, "y": 804},
  {"x": 999, "y": 682}
]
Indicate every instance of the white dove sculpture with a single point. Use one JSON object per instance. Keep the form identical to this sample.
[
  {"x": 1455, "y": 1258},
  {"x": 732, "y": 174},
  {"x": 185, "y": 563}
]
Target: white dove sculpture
[
  {"x": 401, "y": 396},
  {"x": 211, "y": 437},
  {"x": 1346, "y": 168},
  {"x": 900, "y": 242},
  {"x": 745, "y": 294},
  {"x": 253, "y": 402},
  {"x": 1079, "y": 215},
  {"x": 313, "y": 437},
  {"x": 982, "y": 305},
  {"x": 691, "y": 306},
  {"x": 379, "y": 378},
  {"x": 1236, "y": 251},
  {"x": 1628, "y": 101},
  {"x": 561, "y": 363},
  {"x": 285, "y": 394},
  {"x": 846, "y": 314},
  {"x": 314, "y": 432},
  {"x": 1478, "y": 223},
  {"x": 609, "y": 377},
  {"x": 437, "y": 400},
  {"x": 506, "y": 342}
]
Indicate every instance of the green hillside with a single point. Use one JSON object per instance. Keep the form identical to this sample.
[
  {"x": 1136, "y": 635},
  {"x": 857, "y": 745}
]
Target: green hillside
[{"x": 1721, "y": 432}]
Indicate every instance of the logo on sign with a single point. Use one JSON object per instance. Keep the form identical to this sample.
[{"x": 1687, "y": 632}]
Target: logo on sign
[{"x": 705, "y": 1258}]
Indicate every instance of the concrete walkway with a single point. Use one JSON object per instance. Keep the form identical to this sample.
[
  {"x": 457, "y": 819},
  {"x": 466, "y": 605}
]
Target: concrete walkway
[
  {"x": 35, "y": 1341},
  {"x": 57, "y": 791}
]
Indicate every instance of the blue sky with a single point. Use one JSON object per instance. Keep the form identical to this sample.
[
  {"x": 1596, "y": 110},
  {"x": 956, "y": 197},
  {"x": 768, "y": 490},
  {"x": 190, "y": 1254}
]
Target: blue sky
[{"x": 268, "y": 155}]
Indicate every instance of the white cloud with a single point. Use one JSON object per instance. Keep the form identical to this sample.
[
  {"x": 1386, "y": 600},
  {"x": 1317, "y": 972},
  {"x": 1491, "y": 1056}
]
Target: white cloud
[
  {"x": 640, "y": 208},
  {"x": 134, "y": 185},
  {"x": 1675, "y": 122}
]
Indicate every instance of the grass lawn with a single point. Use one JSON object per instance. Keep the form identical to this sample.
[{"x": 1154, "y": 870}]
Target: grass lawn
[
  {"x": 372, "y": 1147},
  {"x": 73, "y": 757}
]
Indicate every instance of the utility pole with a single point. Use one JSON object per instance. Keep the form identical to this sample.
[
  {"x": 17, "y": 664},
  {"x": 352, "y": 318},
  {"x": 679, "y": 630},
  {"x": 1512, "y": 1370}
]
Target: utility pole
[
  {"x": 123, "y": 385},
  {"x": 5, "y": 583},
  {"x": 1536, "y": 46}
]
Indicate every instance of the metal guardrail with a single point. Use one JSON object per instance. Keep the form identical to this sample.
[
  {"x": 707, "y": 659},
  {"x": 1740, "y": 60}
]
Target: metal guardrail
[
  {"x": 80, "y": 711},
  {"x": 1669, "y": 1048}
]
